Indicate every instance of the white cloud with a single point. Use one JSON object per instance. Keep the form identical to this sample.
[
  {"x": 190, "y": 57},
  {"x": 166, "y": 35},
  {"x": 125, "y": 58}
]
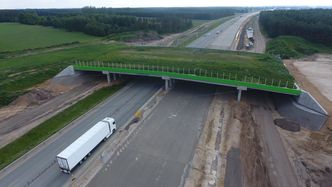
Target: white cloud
[{"x": 153, "y": 3}]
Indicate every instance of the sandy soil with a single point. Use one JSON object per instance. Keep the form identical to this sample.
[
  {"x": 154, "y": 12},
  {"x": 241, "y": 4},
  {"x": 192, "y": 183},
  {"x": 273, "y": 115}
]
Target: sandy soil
[
  {"x": 240, "y": 146},
  {"x": 167, "y": 40},
  {"x": 319, "y": 72},
  {"x": 37, "y": 95},
  {"x": 42, "y": 102},
  {"x": 208, "y": 167},
  {"x": 307, "y": 81},
  {"x": 311, "y": 152},
  {"x": 311, "y": 156},
  {"x": 253, "y": 155}
]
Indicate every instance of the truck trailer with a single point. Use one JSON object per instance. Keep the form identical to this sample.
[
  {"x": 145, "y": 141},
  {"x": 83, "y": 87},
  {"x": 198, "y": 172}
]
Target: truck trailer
[
  {"x": 250, "y": 34},
  {"x": 81, "y": 147}
]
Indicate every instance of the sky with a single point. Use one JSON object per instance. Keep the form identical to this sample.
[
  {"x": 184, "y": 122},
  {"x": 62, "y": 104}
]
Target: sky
[{"x": 13, "y": 4}]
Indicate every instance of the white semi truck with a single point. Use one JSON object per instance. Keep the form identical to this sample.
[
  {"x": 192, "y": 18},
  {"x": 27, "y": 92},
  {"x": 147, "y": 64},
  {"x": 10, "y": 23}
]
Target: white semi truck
[{"x": 81, "y": 148}]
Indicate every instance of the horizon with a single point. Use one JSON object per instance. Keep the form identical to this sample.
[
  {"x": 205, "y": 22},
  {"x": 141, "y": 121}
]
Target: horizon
[
  {"x": 76, "y": 4},
  {"x": 35, "y": 8}
]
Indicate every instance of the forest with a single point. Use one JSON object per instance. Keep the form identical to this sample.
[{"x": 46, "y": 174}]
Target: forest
[
  {"x": 106, "y": 21},
  {"x": 97, "y": 24},
  {"x": 314, "y": 25}
]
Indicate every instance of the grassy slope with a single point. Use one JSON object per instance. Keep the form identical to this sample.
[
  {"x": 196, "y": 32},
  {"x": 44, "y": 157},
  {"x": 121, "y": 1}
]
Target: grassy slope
[
  {"x": 294, "y": 47},
  {"x": 14, "y": 36},
  {"x": 134, "y": 36},
  {"x": 17, "y": 148},
  {"x": 197, "y": 22},
  {"x": 25, "y": 72}
]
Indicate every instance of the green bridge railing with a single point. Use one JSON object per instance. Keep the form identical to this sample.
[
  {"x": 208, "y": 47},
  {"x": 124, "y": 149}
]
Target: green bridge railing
[{"x": 201, "y": 75}]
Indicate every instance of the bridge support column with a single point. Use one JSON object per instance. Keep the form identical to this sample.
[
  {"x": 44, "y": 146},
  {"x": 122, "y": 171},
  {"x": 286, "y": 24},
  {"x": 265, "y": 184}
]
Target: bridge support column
[
  {"x": 239, "y": 94},
  {"x": 114, "y": 76},
  {"x": 168, "y": 83},
  {"x": 108, "y": 77}
]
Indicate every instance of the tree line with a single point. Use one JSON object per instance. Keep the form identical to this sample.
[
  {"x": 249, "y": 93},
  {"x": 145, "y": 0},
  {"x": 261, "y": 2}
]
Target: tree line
[
  {"x": 95, "y": 23},
  {"x": 207, "y": 13},
  {"x": 313, "y": 24}
]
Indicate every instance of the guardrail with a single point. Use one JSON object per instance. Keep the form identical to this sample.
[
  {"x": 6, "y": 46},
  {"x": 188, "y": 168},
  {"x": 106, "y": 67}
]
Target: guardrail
[{"x": 194, "y": 74}]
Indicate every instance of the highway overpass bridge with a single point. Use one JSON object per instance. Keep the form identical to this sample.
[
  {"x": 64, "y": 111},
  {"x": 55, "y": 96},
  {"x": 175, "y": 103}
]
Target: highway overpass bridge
[
  {"x": 195, "y": 75},
  {"x": 291, "y": 101}
]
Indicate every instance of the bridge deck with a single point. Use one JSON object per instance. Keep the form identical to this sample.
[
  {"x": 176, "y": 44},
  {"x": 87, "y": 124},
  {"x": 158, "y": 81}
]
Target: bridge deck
[{"x": 188, "y": 75}]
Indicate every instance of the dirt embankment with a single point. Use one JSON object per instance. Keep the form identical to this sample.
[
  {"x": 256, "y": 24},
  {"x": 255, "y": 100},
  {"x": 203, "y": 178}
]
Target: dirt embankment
[
  {"x": 35, "y": 96},
  {"x": 252, "y": 155},
  {"x": 311, "y": 155},
  {"x": 229, "y": 152},
  {"x": 311, "y": 152},
  {"x": 313, "y": 74},
  {"x": 44, "y": 101}
]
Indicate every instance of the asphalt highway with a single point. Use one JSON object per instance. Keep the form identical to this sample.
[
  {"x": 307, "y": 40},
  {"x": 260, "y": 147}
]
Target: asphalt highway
[
  {"x": 38, "y": 168},
  {"x": 224, "y": 36},
  {"x": 163, "y": 147}
]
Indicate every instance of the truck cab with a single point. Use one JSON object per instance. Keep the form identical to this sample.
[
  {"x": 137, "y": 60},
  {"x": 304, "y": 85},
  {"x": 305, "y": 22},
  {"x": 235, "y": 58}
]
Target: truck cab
[{"x": 111, "y": 124}]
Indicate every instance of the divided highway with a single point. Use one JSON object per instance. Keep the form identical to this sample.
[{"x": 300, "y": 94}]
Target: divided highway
[
  {"x": 162, "y": 149},
  {"x": 224, "y": 36},
  {"x": 39, "y": 168}
]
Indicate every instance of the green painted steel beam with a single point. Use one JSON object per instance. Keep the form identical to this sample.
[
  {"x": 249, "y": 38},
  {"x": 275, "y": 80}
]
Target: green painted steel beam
[{"x": 212, "y": 80}]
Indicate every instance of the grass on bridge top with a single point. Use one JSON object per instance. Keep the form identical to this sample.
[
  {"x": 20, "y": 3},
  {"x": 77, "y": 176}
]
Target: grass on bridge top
[
  {"x": 240, "y": 63},
  {"x": 15, "y": 37},
  {"x": 18, "y": 74}
]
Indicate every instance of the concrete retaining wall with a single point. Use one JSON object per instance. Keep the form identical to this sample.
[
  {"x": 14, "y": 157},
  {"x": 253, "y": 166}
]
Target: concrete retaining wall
[
  {"x": 306, "y": 99},
  {"x": 66, "y": 72},
  {"x": 304, "y": 110}
]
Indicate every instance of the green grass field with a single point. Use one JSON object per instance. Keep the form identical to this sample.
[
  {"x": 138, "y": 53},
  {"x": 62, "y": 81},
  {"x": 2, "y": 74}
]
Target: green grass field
[
  {"x": 20, "y": 73},
  {"x": 294, "y": 47},
  {"x": 14, "y": 37}
]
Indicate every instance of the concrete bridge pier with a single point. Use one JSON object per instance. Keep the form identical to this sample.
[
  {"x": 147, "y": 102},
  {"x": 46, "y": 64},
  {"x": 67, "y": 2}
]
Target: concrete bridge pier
[
  {"x": 168, "y": 83},
  {"x": 108, "y": 74},
  {"x": 239, "y": 94}
]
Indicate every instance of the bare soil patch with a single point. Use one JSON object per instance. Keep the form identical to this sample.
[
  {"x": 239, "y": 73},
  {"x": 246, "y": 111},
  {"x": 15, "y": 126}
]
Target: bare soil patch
[
  {"x": 238, "y": 155},
  {"x": 311, "y": 152},
  {"x": 286, "y": 124},
  {"x": 311, "y": 155},
  {"x": 252, "y": 153},
  {"x": 35, "y": 96},
  {"x": 44, "y": 101},
  {"x": 305, "y": 82},
  {"x": 318, "y": 71}
]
